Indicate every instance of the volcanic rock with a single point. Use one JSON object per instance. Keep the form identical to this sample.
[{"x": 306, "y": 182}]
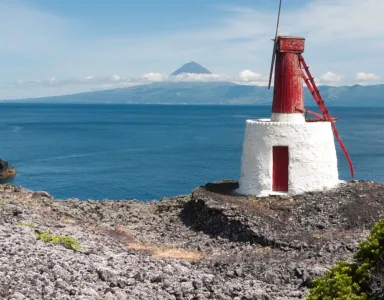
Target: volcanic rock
[
  {"x": 6, "y": 171},
  {"x": 211, "y": 244}
]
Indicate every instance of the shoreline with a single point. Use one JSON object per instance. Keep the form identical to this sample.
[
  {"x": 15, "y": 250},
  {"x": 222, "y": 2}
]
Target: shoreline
[{"x": 206, "y": 245}]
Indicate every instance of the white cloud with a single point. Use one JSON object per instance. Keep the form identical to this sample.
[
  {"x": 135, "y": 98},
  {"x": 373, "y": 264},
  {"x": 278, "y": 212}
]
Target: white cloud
[
  {"x": 255, "y": 82},
  {"x": 191, "y": 77},
  {"x": 154, "y": 77},
  {"x": 54, "y": 82},
  {"x": 330, "y": 78},
  {"x": 114, "y": 81},
  {"x": 244, "y": 77},
  {"x": 116, "y": 78},
  {"x": 184, "y": 77},
  {"x": 362, "y": 76},
  {"x": 247, "y": 76}
]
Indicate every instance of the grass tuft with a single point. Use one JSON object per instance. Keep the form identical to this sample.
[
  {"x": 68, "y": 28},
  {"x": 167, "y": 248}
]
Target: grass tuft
[
  {"x": 27, "y": 224},
  {"x": 66, "y": 241}
]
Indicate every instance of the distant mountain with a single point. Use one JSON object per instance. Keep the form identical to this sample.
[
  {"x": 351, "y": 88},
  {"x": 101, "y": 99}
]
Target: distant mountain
[
  {"x": 191, "y": 67},
  {"x": 218, "y": 93}
]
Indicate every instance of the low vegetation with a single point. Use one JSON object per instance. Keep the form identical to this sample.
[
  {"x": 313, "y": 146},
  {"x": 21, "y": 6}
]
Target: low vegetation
[
  {"x": 66, "y": 241},
  {"x": 363, "y": 279},
  {"x": 26, "y": 224}
]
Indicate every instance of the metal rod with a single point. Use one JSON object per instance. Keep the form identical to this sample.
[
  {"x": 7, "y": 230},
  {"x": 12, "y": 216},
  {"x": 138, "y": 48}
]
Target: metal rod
[
  {"x": 278, "y": 20},
  {"x": 274, "y": 46}
]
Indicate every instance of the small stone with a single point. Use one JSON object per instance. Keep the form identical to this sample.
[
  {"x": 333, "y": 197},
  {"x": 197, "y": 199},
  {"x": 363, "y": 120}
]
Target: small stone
[
  {"x": 18, "y": 296},
  {"x": 187, "y": 287},
  {"x": 43, "y": 194},
  {"x": 166, "y": 283},
  {"x": 121, "y": 283},
  {"x": 230, "y": 273},
  {"x": 299, "y": 272},
  {"x": 131, "y": 281},
  {"x": 197, "y": 284},
  {"x": 91, "y": 292},
  {"x": 238, "y": 272},
  {"x": 105, "y": 274}
]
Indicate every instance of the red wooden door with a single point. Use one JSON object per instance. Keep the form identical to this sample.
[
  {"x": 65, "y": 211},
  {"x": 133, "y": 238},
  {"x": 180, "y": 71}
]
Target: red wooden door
[{"x": 280, "y": 169}]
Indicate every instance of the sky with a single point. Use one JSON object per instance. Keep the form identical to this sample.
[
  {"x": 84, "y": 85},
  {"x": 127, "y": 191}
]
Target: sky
[{"x": 56, "y": 47}]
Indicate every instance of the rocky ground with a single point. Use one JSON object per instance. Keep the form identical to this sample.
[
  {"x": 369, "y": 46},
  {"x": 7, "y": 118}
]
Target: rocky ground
[{"x": 207, "y": 245}]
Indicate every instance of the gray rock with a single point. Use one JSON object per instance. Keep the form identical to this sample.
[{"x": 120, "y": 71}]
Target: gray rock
[
  {"x": 268, "y": 253},
  {"x": 131, "y": 281},
  {"x": 187, "y": 287}
]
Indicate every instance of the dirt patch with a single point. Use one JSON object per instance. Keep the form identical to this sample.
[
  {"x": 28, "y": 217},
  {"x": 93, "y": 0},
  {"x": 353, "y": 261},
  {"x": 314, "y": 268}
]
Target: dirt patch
[
  {"x": 158, "y": 251},
  {"x": 68, "y": 220}
]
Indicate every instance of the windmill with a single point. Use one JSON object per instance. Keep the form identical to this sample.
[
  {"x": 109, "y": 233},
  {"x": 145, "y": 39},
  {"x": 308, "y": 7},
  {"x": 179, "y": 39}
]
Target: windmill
[
  {"x": 290, "y": 153},
  {"x": 309, "y": 81}
]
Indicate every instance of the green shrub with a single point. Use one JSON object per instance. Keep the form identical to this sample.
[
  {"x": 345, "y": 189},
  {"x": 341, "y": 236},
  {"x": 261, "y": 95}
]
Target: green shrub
[
  {"x": 70, "y": 242},
  {"x": 2, "y": 202},
  {"x": 339, "y": 283},
  {"x": 357, "y": 280},
  {"x": 67, "y": 241},
  {"x": 372, "y": 249},
  {"x": 24, "y": 224}
]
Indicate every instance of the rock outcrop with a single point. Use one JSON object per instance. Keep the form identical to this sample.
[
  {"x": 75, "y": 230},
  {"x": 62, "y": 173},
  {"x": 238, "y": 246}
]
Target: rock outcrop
[
  {"x": 313, "y": 220},
  {"x": 207, "y": 245},
  {"x": 6, "y": 171}
]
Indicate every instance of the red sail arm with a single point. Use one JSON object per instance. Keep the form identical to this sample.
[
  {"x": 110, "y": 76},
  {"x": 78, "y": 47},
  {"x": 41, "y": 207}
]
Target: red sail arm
[
  {"x": 320, "y": 102},
  {"x": 320, "y": 118}
]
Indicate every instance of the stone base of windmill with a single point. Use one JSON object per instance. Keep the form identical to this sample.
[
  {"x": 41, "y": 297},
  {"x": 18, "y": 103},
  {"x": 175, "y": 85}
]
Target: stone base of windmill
[{"x": 287, "y": 158}]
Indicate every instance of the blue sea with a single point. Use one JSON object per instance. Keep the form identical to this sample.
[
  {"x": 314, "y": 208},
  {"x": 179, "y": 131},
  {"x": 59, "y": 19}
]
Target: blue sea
[{"x": 147, "y": 152}]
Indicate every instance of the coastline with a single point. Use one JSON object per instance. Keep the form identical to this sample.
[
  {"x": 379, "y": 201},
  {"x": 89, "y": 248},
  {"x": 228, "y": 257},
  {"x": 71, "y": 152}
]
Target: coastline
[{"x": 205, "y": 245}]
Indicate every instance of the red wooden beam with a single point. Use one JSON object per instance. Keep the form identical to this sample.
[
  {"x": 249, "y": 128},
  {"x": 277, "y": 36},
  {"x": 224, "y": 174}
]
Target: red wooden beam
[
  {"x": 307, "y": 76},
  {"x": 319, "y": 120}
]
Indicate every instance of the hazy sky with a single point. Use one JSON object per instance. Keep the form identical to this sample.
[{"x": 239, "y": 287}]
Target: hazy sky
[{"x": 52, "y": 47}]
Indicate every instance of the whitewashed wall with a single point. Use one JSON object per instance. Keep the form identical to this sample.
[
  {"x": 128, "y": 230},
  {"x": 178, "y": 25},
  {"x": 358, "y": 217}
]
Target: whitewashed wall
[{"x": 312, "y": 156}]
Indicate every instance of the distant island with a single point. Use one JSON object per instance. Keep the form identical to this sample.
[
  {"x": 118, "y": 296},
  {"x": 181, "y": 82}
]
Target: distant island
[{"x": 214, "y": 93}]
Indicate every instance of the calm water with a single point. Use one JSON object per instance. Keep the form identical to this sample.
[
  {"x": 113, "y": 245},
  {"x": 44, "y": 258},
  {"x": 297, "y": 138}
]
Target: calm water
[{"x": 147, "y": 152}]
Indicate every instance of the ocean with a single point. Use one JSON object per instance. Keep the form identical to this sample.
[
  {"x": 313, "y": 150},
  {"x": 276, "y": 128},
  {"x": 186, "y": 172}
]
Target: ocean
[{"x": 147, "y": 152}]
